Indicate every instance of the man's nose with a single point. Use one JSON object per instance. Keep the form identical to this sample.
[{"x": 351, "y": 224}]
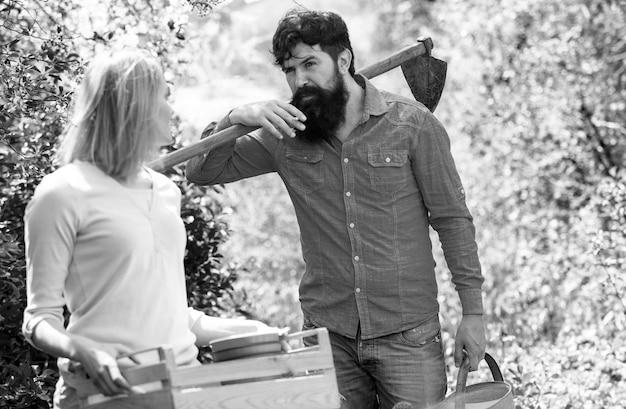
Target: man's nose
[{"x": 301, "y": 80}]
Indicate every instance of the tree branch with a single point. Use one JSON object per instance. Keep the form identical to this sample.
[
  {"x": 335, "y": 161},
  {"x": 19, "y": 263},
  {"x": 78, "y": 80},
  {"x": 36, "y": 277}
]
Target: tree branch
[{"x": 603, "y": 155}]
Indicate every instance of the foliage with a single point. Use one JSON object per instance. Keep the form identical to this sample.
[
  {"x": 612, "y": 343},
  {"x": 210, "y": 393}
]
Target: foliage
[
  {"x": 35, "y": 89},
  {"x": 265, "y": 239},
  {"x": 541, "y": 95},
  {"x": 42, "y": 60}
]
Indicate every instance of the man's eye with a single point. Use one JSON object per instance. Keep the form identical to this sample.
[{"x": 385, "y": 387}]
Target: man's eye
[{"x": 287, "y": 70}]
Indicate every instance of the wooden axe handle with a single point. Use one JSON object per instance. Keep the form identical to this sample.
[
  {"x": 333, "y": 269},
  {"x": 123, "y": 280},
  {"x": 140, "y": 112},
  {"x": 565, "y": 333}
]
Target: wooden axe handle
[
  {"x": 394, "y": 60},
  {"x": 231, "y": 133}
]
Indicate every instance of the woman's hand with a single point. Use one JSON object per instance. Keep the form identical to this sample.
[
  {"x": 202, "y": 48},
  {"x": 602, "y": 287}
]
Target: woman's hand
[
  {"x": 98, "y": 360},
  {"x": 101, "y": 366}
]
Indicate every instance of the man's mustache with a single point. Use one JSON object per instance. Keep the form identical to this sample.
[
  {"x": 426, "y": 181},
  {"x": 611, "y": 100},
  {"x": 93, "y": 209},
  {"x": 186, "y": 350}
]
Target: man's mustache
[{"x": 307, "y": 94}]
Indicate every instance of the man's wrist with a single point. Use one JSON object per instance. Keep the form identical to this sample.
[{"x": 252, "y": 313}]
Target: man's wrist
[
  {"x": 228, "y": 121},
  {"x": 471, "y": 301}
]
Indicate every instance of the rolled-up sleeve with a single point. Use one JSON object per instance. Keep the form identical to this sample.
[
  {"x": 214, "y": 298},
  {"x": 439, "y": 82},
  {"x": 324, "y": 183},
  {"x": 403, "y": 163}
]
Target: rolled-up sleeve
[
  {"x": 444, "y": 197},
  {"x": 50, "y": 221},
  {"x": 249, "y": 155}
]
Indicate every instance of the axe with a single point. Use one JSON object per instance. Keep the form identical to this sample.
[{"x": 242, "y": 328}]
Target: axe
[{"x": 425, "y": 75}]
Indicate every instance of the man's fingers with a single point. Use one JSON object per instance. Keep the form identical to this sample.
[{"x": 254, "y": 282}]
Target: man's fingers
[
  {"x": 284, "y": 125},
  {"x": 279, "y": 127},
  {"x": 277, "y": 117},
  {"x": 292, "y": 111},
  {"x": 296, "y": 123},
  {"x": 475, "y": 358},
  {"x": 287, "y": 120},
  {"x": 269, "y": 126},
  {"x": 473, "y": 362},
  {"x": 458, "y": 355},
  {"x": 289, "y": 117}
]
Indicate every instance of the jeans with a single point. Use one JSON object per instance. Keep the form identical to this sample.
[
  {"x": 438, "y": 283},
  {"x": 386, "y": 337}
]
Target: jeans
[{"x": 378, "y": 373}]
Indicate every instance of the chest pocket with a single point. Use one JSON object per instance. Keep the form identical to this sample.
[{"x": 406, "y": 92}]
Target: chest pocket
[
  {"x": 387, "y": 169},
  {"x": 304, "y": 170}
]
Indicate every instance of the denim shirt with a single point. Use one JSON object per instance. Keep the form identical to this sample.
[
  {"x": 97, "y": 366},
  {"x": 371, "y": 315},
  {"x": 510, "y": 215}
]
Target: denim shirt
[{"x": 364, "y": 208}]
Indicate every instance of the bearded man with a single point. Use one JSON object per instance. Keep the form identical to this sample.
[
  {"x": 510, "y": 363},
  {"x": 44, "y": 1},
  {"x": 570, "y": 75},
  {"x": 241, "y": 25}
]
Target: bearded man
[{"x": 368, "y": 172}]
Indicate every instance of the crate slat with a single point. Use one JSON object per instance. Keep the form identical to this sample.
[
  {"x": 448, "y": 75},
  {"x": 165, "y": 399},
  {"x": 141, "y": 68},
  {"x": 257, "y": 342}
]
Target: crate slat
[
  {"x": 160, "y": 399},
  {"x": 307, "y": 392}
]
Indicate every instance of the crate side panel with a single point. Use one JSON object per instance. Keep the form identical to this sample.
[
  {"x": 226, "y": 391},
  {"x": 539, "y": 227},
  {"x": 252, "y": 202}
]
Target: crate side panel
[
  {"x": 259, "y": 367},
  {"x": 306, "y": 392},
  {"x": 161, "y": 399}
]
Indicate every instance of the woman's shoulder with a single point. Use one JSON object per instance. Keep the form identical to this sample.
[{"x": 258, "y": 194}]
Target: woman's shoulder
[
  {"x": 59, "y": 191},
  {"x": 71, "y": 182},
  {"x": 73, "y": 176}
]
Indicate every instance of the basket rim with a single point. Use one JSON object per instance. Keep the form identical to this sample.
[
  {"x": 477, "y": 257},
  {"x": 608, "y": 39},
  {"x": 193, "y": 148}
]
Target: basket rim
[{"x": 500, "y": 390}]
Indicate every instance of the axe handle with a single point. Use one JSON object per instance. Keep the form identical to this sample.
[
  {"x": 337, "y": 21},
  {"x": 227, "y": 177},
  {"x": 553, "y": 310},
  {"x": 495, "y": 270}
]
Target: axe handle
[
  {"x": 231, "y": 133},
  {"x": 394, "y": 60}
]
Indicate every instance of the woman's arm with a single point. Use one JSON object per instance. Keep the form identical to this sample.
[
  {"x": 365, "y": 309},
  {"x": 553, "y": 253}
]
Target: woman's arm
[
  {"x": 96, "y": 359},
  {"x": 52, "y": 221},
  {"x": 207, "y": 328}
]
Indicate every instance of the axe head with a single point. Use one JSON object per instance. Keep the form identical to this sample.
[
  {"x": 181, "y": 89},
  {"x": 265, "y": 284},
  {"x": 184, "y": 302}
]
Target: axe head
[{"x": 426, "y": 77}]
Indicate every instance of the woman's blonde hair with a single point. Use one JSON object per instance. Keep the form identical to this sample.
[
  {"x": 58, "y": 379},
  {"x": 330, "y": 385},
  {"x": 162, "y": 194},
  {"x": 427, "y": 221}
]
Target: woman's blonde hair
[{"x": 113, "y": 115}]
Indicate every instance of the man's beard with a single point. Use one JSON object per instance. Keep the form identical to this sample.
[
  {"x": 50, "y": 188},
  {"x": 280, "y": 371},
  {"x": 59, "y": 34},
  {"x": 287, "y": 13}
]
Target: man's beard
[{"x": 325, "y": 110}]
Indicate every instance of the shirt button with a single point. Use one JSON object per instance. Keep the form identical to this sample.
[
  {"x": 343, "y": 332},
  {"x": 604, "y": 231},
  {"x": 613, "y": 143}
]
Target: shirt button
[
  {"x": 388, "y": 160},
  {"x": 348, "y": 194},
  {"x": 352, "y": 225},
  {"x": 346, "y": 160},
  {"x": 356, "y": 258},
  {"x": 358, "y": 290}
]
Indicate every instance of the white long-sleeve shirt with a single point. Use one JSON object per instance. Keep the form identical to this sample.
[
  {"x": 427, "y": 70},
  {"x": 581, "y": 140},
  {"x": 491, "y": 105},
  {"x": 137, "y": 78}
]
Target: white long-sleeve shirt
[{"x": 114, "y": 255}]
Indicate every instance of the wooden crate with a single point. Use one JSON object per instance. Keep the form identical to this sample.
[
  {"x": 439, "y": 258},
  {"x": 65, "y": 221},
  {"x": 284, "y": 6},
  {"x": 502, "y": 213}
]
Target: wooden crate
[{"x": 303, "y": 378}]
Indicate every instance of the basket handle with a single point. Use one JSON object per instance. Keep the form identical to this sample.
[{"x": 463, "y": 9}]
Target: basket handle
[{"x": 461, "y": 381}]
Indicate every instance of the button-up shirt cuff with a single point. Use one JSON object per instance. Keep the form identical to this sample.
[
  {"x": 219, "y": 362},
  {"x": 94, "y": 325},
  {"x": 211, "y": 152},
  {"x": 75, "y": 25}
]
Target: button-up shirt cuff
[
  {"x": 210, "y": 129},
  {"x": 214, "y": 127},
  {"x": 471, "y": 301}
]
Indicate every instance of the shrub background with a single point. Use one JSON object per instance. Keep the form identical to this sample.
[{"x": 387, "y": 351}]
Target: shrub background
[{"x": 535, "y": 107}]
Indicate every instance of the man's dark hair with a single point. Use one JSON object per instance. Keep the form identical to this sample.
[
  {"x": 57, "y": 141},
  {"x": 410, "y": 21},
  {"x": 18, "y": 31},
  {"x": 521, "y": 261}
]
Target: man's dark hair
[{"x": 311, "y": 27}]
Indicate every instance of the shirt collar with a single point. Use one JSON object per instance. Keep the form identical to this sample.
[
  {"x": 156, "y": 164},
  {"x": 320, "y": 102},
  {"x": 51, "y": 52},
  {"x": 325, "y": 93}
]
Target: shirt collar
[{"x": 375, "y": 104}]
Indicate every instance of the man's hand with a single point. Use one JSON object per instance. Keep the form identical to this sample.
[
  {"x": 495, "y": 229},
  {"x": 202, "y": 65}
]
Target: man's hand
[
  {"x": 470, "y": 336},
  {"x": 279, "y": 118}
]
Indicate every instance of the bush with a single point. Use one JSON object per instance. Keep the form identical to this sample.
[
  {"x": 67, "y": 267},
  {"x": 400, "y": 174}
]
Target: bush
[
  {"x": 41, "y": 64},
  {"x": 538, "y": 90}
]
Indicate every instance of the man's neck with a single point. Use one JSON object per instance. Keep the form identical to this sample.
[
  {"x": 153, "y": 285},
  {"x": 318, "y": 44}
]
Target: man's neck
[{"x": 354, "y": 109}]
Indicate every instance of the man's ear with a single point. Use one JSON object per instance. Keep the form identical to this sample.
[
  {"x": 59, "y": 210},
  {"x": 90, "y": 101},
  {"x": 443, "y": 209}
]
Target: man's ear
[{"x": 343, "y": 61}]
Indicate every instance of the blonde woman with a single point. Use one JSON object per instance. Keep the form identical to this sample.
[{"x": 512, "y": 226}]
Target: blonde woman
[{"x": 104, "y": 236}]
